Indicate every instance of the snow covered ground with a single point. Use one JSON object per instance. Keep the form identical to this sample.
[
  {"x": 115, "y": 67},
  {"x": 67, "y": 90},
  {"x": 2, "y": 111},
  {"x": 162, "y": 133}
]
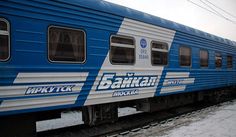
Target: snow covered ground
[
  {"x": 212, "y": 122},
  {"x": 72, "y": 118},
  {"x": 218, "y": 121}
]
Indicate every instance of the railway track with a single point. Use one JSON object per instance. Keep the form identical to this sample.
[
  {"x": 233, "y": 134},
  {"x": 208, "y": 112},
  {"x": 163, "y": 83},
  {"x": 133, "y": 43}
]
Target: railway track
[
  {"x": 134, "y": 125},
  {"x": 162, "y": 127}
]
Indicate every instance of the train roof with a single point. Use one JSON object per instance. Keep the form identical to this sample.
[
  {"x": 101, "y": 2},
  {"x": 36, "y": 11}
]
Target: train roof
[{"x": 115, "y": 9}]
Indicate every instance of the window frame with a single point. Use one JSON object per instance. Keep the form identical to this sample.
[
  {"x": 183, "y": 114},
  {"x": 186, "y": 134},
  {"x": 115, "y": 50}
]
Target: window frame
[
  {"x": 85, "y": 45},
  {"x": 110, "y": 45},
  {"x": 160, "y": 42},
  {"x": 184, "y": 46},
  {"x": 221, "y": 60},
  {"x": 200, "y": 58},
  {"x": 9, "y": 39},
  {"x": 231, "y": 60}
]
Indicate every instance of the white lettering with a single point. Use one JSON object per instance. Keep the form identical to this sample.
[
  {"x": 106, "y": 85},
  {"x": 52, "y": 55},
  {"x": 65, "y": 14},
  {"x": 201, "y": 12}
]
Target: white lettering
[
  {"x": 50, "y": 89},
  {"x": 144, "y": 82},
  {"x": 30, "y": 91},
  {"x": 117, "y": 83},
  {"x": 105, "y": 83},
  {"x": 126, "y": 82},
  {"x": 111, "y": 81},
  {"x": 125, "y": 93},
  {"x": 152, "y": 81},
  {"x": 135, "y": 82}
]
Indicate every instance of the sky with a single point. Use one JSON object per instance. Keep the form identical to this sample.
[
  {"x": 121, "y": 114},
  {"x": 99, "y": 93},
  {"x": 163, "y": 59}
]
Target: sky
[{"x": 187, "y": 13}]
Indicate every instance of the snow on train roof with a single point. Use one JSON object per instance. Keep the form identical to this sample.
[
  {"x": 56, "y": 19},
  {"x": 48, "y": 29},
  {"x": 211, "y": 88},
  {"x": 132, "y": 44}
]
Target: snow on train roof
[{"x": 115, "y": 9}]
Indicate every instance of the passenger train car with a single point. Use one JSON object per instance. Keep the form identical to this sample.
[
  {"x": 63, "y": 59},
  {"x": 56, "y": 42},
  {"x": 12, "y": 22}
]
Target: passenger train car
[{"x": 92, "y": 55}]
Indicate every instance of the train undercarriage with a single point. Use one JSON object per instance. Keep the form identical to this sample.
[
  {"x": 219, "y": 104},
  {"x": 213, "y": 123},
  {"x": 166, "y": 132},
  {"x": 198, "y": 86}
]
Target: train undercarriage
[{"x": 24, "y": 125}]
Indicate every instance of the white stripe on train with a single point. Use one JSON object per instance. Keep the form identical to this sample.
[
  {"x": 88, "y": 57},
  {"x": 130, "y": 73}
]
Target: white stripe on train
[
  {"x": 143, "y": 67},
  {"x": 75, "y": 83},
  {"x": 50, "y": 77}
]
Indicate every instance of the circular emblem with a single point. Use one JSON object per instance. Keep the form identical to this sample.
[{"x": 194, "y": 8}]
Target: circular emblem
[{"x": 143, "y": 43}]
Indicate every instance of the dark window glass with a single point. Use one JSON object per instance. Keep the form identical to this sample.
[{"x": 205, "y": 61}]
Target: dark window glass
[
  {"x": 160, "y": 45},
  {"x": 66, "y": 45},
  {"x": 122, "y": 50},
  {"x": 4, "y": 40},
  {"x": 185, "y": 56},
  {"x": 229, "y": 62},
  {"x": 159, "y": 53},
  {"x": 3, "y": 25},
  {"x": 122, "y": 40},
  {"x": 218, "y": 60},
  {"x": 203, "y": 58}
]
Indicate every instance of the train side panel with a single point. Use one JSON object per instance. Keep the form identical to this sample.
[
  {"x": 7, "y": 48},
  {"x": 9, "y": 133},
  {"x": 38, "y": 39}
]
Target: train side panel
[
  {"x": 28, "y": 76},
  {"x": 30, "y": 82}
]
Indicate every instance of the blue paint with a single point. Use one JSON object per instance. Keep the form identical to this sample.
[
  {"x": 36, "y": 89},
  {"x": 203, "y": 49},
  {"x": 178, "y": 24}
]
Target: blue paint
[
  {"x": 143, "y": 43},
  {"x": 29, "y": 23},
  {"x": 160, "y": 84}
]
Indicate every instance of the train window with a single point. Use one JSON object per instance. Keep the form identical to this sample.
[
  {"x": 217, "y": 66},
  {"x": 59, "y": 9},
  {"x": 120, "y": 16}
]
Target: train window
[
  {"x": 66, "y": 45},
  {"x": 4, "y": 40},
  {"x": 185, "y": 56},
  {"x": 203, "y": 58},
  {"x": 159, "y": 53},
  {"x": 122, "y": 50},
  {"x": 218, "y": 60},
  {"x": 229, "y": 62}
]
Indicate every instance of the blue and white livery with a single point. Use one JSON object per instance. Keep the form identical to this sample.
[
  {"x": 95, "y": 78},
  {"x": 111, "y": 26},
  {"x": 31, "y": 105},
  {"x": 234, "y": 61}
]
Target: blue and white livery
[{"x": 33, "y": 77}]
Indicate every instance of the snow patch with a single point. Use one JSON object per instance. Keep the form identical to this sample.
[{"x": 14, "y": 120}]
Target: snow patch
[{"x": 72, "y": 118}]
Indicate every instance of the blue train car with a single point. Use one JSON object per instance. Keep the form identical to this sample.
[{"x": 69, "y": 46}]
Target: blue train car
[{"x": 69, "y": 54}]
